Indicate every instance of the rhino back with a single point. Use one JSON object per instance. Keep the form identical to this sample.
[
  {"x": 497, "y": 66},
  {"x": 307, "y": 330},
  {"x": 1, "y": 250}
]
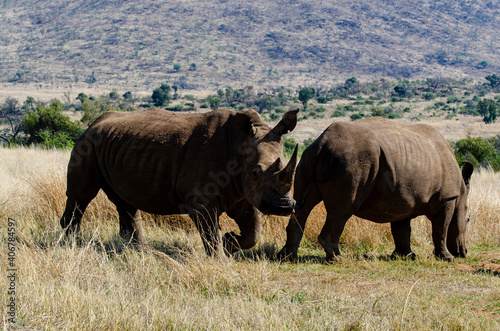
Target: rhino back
[
  {"x": 391, "y": 171},
  {"x": 152, "y": 159}
]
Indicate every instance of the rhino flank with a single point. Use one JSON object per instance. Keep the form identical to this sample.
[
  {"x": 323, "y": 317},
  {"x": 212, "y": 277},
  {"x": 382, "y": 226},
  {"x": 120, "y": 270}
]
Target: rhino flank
[
  {"x": 384, "y": 172},
  {"x": 173, "y": 163}
]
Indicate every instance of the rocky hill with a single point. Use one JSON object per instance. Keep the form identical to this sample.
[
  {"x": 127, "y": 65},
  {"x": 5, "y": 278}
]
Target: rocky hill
[{"x": 211, "y": 44}]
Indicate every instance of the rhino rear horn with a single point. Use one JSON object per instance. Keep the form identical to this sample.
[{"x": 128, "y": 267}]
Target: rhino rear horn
[
  {"x": 287, "y": 173},
  {"x": 287, "y": 123}
]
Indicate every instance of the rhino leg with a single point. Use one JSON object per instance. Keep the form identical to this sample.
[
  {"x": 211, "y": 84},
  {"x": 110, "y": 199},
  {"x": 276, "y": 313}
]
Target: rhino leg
[
  {"x": 330, "y": 234},
  {"x": 208, "y": 225},
  {"x": 131, "y": 224},
  {"x": 82, "y": 186},
  {"x": 440, "y": 223},
  {"x": 130, "y": 218},
  {"x": 306, "y": 200},
  {"x": 72, "y": 217},
  {"x": 401, "y": 232},
  {"x": 248, "y": 220}
]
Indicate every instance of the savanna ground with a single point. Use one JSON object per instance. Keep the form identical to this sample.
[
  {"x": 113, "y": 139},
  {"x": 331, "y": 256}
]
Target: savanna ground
[{"x": 96, "y": 282}]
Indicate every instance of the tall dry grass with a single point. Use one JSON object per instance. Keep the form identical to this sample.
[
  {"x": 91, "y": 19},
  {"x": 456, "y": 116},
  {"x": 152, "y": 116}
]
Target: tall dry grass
[{"x": 97, "y": 282}]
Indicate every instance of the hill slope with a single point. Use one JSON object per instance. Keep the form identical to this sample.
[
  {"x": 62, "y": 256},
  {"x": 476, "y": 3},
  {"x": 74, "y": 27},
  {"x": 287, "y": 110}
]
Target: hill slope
[{"x": 134, "y": 44}]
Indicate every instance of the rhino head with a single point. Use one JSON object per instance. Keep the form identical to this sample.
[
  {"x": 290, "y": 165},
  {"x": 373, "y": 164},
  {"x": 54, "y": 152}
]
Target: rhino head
[
  {"x": 458, "y": 226},
  {"x": 266, "y": 179}
]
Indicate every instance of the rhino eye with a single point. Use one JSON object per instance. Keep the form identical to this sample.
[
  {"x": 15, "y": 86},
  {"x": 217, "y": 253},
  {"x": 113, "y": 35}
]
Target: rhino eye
[{"x": 256, "y": 172}]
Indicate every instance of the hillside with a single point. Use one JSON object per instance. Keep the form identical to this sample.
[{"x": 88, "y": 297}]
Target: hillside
[{"x": 207, "y": 45}]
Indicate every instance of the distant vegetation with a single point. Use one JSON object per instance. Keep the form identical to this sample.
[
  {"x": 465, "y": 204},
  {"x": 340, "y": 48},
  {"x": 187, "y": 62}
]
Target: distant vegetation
[
  {"x": 49, "y": 125},
  {"x": 205, "y": 46}
]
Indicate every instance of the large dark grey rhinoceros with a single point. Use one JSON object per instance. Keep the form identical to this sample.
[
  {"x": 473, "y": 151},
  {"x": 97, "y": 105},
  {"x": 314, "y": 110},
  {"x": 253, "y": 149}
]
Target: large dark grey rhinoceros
[
  {"x": 384, "y": 172},
  {"x": 172, "y": 163}
]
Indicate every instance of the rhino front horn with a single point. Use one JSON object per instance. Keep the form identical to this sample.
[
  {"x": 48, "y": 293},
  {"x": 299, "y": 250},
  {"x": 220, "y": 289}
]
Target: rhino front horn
[{"x": 289, "y": 170}]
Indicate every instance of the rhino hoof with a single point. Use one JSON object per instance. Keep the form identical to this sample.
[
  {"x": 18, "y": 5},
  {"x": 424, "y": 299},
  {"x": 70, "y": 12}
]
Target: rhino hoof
[
  {"x": 445, "y": 256},
  {"x": 286, "y": 255},
  {"x": 405, "y": 256}
]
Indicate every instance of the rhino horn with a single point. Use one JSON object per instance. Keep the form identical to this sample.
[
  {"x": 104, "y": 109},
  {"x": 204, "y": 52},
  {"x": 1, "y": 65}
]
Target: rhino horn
[{"x": 287, "y": 173}]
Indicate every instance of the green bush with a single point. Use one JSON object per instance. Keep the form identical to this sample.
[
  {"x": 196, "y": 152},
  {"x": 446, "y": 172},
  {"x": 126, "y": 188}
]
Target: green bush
[
  {"x": 428, "y": 96},
  {"x": 489, "y": 109},
  {"x": 51, "y": 120},
  {"x": 479, "y": 151}
]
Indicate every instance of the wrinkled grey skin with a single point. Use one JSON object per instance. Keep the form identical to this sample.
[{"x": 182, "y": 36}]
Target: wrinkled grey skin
[
  {"x": 172, "y": 163},
  {"x": 384, "y": 172}
]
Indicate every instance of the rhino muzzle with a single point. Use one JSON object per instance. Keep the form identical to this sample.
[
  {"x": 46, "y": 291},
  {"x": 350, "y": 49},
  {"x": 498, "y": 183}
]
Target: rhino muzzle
[{"x": 275, "y": 204}]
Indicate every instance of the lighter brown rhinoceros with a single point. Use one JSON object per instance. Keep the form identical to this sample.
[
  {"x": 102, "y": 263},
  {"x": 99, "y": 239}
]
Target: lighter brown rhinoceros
[
  {"x": 385, "y": 172},
  {"x": 171, "y": 163}
]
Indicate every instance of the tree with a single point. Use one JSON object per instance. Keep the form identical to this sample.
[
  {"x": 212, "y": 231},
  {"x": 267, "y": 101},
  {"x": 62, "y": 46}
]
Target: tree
[
  {"x": 489, "y": 109},
  {"x": 81, "y": 96},
  {"x": 161, "y": 96},
  {"x": 49, "y": 123},
  {"x": 127, "y": 95},
  {"x": 494, "y": 80},
  {"x": 265, "y": 102},
  {"x": 400, "y": 90},
  {"x": 177, "y": 67},
  {"x": 306, "y": 94},
  {"x": 114, "y": 95},
  {"x": 92, "y": 109},
  {"x": 12, "y": 114},
  {"x": 214, "y": 102}
]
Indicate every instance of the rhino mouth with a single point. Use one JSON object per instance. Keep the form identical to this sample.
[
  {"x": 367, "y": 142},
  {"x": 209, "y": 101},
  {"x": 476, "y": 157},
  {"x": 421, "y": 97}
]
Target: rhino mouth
[{"x": 275, "y": 204}]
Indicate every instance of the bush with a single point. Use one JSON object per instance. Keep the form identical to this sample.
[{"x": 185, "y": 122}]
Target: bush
[
  {"x": 428, "y": 96},
  {"x": 489, "y": 109},
  {"x": 161, "y": 96},
  {"x": 38, "y": 124},
  {"x": 479, "y": 151}
]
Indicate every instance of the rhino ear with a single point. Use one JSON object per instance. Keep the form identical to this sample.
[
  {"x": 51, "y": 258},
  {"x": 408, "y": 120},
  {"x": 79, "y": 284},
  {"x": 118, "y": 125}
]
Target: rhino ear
[
  {"x": 467, "y": 169},
  {"x": 287, "y": 123},
  {"x": 245, "y": 124}
]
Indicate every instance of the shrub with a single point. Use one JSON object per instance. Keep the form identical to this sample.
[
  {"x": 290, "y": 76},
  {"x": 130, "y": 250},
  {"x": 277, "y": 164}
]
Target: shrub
[
  {"x": 489, "y": 109},
  {"x": 428, "y": 96},
  {"x": 49, "y": 119},
  {"x": 161, "y": 96},
  {"x": 479, "y": 151}
]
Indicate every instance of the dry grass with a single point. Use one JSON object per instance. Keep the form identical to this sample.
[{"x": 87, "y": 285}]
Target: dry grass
[{"x": 98, "y": 283}]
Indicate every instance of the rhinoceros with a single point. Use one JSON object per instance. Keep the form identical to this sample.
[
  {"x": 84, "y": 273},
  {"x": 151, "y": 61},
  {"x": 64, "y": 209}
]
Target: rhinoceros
[
  {"x": 382, "y": 171},
  {"x": 168, "y": 163}
]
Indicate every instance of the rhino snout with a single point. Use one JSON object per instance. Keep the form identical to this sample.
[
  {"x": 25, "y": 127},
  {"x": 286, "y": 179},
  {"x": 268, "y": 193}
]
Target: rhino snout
[{"x": 275, "y": 204}]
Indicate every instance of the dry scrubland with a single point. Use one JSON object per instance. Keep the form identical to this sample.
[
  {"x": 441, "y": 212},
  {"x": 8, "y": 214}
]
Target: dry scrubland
[{"x": 98, "y": 283}]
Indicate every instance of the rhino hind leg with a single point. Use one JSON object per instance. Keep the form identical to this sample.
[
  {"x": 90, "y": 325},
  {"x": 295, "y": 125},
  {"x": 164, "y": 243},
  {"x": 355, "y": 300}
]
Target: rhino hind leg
[
  {"x": 249, "y": 222},
  {"x": 401, "y": 232}
]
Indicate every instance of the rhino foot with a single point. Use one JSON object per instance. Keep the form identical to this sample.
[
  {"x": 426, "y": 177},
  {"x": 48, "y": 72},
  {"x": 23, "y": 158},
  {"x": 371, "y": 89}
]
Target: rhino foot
[
  {"x": 444, "y": 256},
  {"x": 405, "y": 256},
  {"x": 287, "y": 255}
]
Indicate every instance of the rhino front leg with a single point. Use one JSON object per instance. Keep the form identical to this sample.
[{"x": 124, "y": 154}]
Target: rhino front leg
[
  {"x": 297, "y": 222},
  {"x": 72, "y": 217},
  {"x": 330, "y": 234},
  {"x": 248, "y": 219},
  {"x": 207, "y": 223},
  {"x": 401, "y": 232},
  {"x": 440, "y": 224}
]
